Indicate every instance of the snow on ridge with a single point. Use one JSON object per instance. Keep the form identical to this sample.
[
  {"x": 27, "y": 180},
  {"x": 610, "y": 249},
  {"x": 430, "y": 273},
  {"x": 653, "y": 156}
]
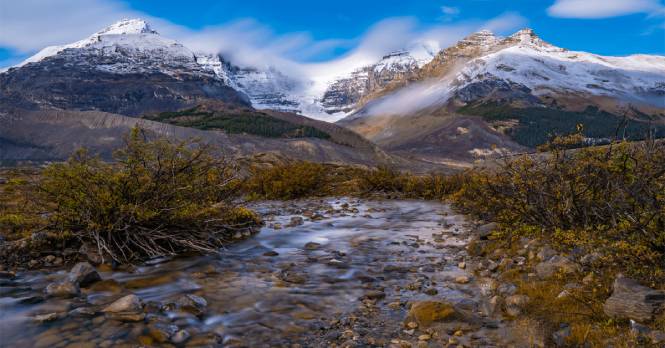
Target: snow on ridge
[
  {"x": 127, "y": 26},
  {"x": 132, "y": 34},
  {"x": 535, "y": 68}
]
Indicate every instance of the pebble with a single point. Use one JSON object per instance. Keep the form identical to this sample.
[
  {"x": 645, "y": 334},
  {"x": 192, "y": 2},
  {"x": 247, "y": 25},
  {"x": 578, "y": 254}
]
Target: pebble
[
  {"x": 462, "y": 280},
  {"x": 375, "y": 295},
  {"x": 431, "y": 291},
  {"x": 394, "y": 305}
]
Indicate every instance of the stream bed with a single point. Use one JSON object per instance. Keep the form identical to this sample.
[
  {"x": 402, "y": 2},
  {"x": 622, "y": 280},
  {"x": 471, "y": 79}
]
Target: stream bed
[{"x": 321, "y": 273}]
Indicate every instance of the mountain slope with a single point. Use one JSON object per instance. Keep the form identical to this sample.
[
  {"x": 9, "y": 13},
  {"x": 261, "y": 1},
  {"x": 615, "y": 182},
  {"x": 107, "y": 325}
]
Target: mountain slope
[
  {"x": 47, "y": 135},
  {"x": 521, "y": 87}
]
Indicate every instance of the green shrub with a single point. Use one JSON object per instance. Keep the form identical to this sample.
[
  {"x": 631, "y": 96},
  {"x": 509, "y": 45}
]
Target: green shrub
[
  {"x": 288, "y": 181},
  {"x": 157, "y": 198},
  {"x": 19, "y": 213},
  {"x": 609, "y": 199},
  {"x": 430, "y": 186},
  {"x": 381, "y": 179}
]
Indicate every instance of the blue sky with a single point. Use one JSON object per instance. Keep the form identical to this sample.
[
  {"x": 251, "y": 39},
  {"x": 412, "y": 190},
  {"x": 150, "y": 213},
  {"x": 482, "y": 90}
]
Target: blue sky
[{"x": 311, "y": 31}]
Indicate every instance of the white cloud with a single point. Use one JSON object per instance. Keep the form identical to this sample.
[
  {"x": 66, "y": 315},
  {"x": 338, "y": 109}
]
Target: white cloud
[
  {"x": 593, "y": 9},
  {"x": 29, "y": 25}
]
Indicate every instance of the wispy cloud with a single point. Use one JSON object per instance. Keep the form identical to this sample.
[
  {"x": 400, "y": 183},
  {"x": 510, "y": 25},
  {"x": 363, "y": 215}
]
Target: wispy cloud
[{"x": 595, "y": 9}]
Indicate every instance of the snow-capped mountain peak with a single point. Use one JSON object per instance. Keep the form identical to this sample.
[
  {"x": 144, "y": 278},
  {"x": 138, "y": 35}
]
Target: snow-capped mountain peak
[
  {"x": 127, "y": 26},
  {"x": 528, "y": 38},
  {"x": 399, "y": 60},
  {"x": 525, "y": 35},
  {"x": 481, "y": 39},
  {"x": 129, "y": 37}
]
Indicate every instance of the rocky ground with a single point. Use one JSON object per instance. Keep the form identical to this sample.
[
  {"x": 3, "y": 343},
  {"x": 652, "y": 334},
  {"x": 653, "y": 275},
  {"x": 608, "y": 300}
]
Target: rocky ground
[{"x": 322, "y": 273}]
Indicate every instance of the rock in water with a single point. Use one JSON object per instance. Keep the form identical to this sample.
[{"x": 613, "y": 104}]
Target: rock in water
[
  {"x": 374, "y": 295},
  {"x": 427, "y": 312},
  {"x": 162, "y": 332},
  {"x": 62, "y": 289},
  {"x": 83, "y": 274},
  {"x": 44, "y": 318},
  {"x": 180, "y": 337},
  {"x": 462, "y": 280},
  {"x": 129, "y": 303},
  {"x": 82, "y": 312},
  {"x": 192, "y": 304},
  {"x": 296, "y": 221},
  {"x": 634, "y": 301},
  {"x": 312, "y": 246}
]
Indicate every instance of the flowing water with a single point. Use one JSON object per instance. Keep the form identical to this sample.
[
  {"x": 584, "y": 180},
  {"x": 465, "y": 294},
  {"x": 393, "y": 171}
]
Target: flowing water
[{"x": 342, "y": 277}]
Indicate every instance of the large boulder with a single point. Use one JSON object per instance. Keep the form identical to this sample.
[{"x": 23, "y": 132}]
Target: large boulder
[
  {"x": 486, "y": 230},
  {"x": 83, "y": 274},
  {"x": 633, "y": 301},
  {"x": 427, "y": 312}
]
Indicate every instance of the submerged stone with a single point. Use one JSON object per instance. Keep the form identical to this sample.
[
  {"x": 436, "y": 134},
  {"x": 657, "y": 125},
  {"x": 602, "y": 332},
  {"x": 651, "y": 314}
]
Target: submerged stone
[{"x": 427, "y": 312}]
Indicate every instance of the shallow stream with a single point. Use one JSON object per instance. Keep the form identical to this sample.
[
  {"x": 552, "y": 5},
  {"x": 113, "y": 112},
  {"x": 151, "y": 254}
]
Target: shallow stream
[{"x": 320, "y": 273}]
